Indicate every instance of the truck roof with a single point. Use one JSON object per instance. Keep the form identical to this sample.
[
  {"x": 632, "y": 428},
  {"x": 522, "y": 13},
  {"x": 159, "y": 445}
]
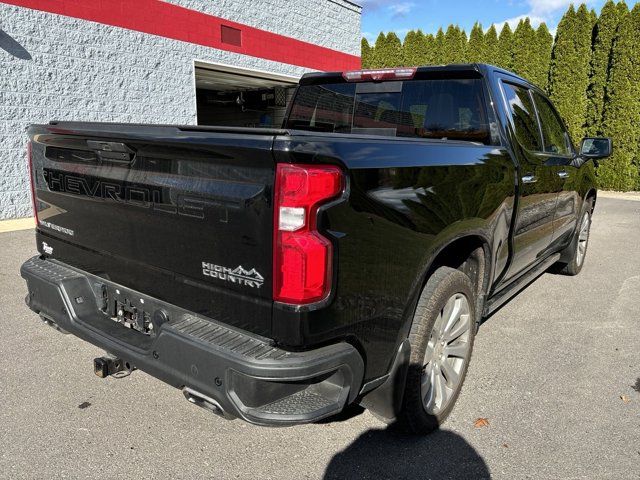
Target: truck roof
[{"x": 465, "y": 70}]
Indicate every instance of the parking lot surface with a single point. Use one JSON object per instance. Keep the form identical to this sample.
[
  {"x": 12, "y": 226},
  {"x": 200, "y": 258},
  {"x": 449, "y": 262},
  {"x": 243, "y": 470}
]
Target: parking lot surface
[{"x": 555, "y": 373}]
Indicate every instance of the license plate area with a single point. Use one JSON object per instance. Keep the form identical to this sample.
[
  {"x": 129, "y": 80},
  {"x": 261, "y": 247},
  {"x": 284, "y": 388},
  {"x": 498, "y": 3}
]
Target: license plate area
[
  {"x": 131, "y": 311},
  {"x": 132, "y": 317}
]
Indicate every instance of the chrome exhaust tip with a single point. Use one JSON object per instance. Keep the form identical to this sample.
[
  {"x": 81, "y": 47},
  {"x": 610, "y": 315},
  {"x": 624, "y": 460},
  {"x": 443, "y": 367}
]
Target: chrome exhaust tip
[{"x": 203, "y": 401}]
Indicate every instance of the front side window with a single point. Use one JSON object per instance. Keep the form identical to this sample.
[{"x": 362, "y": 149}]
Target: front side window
[
  {"x": 554, "y": 135},
  {"x": 452, "y": 109},
  {"x": 524, "y": 117}
]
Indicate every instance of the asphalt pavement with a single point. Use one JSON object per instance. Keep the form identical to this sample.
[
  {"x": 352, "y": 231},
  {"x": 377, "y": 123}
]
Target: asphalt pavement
[{"x": 555, "y": 373}]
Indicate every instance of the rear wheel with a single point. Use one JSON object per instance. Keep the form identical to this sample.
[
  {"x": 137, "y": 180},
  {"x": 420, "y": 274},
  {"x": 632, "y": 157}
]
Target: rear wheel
[
  {"x": 581, "y": 242},
  {"x": 441, "y": 339}
]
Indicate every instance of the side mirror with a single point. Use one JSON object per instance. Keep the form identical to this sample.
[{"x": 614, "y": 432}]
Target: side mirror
[{"x": 596, "y": 148}]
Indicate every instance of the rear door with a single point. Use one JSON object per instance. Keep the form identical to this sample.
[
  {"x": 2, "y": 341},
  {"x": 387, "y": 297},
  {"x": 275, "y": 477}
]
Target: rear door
[{"x": 539, "y": 183}]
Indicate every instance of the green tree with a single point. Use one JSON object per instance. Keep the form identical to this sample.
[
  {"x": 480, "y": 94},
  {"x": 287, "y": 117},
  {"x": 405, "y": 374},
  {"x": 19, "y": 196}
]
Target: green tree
[
  {"x": 570, "y": 67},
  {"x": 393, "y": 54},
  {"x": 366, "y": 53},
  {"x": 504, "y": 57},
  {"x": 476, "y": 49},
  {"x": 379, "y": 50},
  {"x": 622, "y": 108},
  {"x": 491, "y": 46},
  {"x": 544, "y": 45},
  {"x": 387, "y": 51},
  {"x": 623, "y": 9},
  {"x": 423, "y": 53},
  {"x": 409, "y": 47},
  {"x": 439, "y": 48},
  {"x": 455, "y": 45},
  {"x": 417, "y": 48},
  {"x": 524, "y": 50},
  {"x": 606, "y": 32},
  {"x": 463, "y": 42},
  {"x": 426, "y": 52}
]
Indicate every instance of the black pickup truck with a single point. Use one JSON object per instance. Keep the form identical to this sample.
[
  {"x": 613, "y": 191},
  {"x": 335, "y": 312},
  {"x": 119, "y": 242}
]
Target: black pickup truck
[{"x": 282, "y": 275}]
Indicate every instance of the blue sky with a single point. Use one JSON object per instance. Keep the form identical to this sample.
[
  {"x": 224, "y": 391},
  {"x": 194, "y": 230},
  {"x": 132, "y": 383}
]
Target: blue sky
[{"x": 404, "y": 15}]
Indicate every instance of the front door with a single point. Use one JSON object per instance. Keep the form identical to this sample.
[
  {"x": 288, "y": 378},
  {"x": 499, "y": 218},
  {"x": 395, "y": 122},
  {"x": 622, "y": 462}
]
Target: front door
[
  {"x": 561, "y": 154},
  {"x": 539, "y": 183}
]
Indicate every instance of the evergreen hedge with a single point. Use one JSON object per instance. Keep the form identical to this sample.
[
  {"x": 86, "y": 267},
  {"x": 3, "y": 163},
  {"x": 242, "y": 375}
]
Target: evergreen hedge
[
  {"x": 570, "y": 68},
  {"x": 591, "y": 69},
  {"x": 622, "y": 107}
]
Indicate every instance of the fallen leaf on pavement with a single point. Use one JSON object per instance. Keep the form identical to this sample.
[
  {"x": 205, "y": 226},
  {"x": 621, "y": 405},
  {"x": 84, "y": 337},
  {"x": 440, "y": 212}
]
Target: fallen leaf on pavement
[
  {"x": 625, "y": 399},
  {"x": 481, "y": 422}
]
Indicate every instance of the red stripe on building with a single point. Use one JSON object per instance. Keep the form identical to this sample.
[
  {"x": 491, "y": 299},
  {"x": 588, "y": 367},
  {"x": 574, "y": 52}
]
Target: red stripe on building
[{"x": 171, "y": 21}]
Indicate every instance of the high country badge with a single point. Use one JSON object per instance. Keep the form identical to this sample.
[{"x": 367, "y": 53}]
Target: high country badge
[{"x": 249, "y": 278}]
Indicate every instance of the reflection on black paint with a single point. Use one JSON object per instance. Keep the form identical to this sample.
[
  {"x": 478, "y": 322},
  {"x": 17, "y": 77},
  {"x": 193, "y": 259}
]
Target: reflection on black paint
[{"x": 396, "y": 216}]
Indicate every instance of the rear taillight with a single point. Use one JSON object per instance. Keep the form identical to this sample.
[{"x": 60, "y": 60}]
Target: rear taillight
[
  {"x": 32, "y": 183},
  {"x": 405, "y": 73},
  {"x": 302, "y": 257}
]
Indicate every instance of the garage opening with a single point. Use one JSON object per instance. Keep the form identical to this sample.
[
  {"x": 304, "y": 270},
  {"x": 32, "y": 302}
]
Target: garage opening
[{"x": 236, "y": 97}]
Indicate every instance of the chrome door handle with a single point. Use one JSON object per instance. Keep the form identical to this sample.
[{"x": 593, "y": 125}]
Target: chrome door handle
[
  {"x": 563, "y": 174},
  {"x": 529, "y": 179}
]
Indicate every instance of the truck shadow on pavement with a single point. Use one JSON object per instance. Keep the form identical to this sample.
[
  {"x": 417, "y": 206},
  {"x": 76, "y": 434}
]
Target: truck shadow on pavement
[{"x": 382, "y": 454}]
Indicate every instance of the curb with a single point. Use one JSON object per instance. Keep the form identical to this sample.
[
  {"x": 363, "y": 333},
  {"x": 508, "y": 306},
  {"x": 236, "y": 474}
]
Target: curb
[{"x": 17, "y": 224}]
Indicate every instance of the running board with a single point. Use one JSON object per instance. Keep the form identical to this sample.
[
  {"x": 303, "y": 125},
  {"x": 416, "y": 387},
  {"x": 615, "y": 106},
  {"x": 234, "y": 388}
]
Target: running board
[{"x": 503, "y": 296}]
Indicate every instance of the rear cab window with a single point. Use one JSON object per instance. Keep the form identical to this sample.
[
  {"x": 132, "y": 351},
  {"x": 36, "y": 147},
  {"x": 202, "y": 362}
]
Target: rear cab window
[{"x": 451, "y": 109}]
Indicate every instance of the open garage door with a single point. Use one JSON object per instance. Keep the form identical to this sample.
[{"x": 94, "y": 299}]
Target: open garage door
[{"x": 238, "y": 97}]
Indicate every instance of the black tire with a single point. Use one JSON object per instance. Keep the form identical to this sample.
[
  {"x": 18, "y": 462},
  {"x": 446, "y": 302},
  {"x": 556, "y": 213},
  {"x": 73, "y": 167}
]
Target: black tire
[
  {"x": 574, "y": 266},
  {"x": 444, "y": 284}
]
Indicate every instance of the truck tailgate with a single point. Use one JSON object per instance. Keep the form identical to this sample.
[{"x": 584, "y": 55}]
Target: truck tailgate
[{"x": 184, "y": 214}]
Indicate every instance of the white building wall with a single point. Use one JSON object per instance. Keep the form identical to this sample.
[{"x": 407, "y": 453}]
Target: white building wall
[{"x": 57, "y": 67}]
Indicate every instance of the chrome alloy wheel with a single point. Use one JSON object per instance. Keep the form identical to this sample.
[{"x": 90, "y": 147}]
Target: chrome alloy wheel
[
  {"x": 447, "y": 354},
  {"x": 583, "y": 238}
]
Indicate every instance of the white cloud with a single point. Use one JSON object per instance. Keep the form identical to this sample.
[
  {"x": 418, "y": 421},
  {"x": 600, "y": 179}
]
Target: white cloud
[
  {"x": 401, "y": 9},
  {"x": 374, "y": 4},
  {"x": 540, "y": 11},
  {"x": 542, "y": 7},
  {"x": 371, "y": 37},
  {"x": 513, "y": 22},
  {"x": 397, "y": 9}
]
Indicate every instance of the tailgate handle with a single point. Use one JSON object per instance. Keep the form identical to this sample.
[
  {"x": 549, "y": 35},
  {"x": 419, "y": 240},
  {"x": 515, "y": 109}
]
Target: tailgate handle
[{"x": 115, "y": 152}]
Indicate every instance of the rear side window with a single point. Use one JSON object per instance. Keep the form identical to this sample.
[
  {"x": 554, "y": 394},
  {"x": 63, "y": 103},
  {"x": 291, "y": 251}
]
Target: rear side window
[
  {"x": 323, "y": 108},
  {"x": 454, "y": 109},
  {"x": 377, "y": 108},
  {"x": 524, "y": 117},
  {"x": 555, "y": 136}
]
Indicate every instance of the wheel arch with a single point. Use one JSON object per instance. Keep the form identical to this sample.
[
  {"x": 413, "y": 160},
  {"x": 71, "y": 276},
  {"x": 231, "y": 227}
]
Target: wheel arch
[
  {"x": 457, "y": 253},
  {"x": 470, "y": 253}
]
